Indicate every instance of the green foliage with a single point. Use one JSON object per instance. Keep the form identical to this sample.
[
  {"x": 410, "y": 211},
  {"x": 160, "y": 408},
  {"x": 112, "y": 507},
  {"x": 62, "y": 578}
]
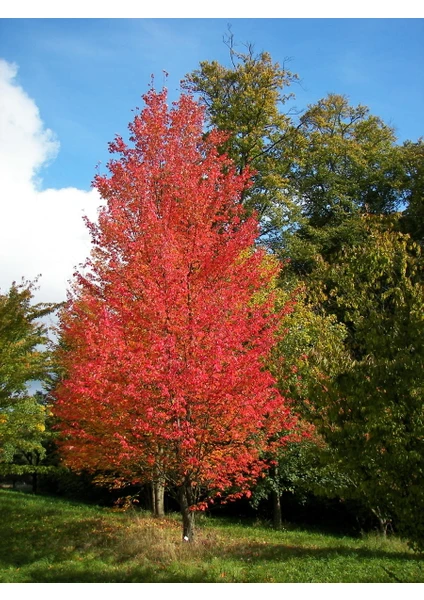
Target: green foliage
[
  {"x": 22, "y": 430},
  {"x": 314, "y": 175},
  {"x": 347, "y": 160},
  {"x": 312, "y": 344},
  {"x": 245, "y": 100},
  {"x": 21, "y": 335},
  {"x": 24, "y": 358},
  {"x": 413, "y": 216},
  {"x": 353, "y": 335},
  {"x": 371, "y": 413},
  {"x": 301, "y": 470},
  {"x": 346, "y": 163}
]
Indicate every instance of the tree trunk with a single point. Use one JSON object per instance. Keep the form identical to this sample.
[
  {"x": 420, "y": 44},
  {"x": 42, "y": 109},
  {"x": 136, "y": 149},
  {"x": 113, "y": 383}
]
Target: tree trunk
[
  {"x": 34, "y": 482},
  {"x": 185, "y": 500},
  {"x": 158, "y": 496},
  {"x": 383, "y": 526},
  {"x": 383, "y": 522},
  {"x": 277, "y": 520}
]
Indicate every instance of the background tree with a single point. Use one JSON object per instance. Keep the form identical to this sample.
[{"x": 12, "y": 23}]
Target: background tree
[
  {"x": 413, "y": 216},
  {"x": 168, "y": 333},
  {"x": 25, "y": 359},
  {"x": 371, "y": 412},
  {"x": 322, "y": 174},
  {"x": 311, "y": 346},
  {"x": 246, "y": 100},
  {"x": 349, "y": 170},
  {"x": 345, "y": 164}
]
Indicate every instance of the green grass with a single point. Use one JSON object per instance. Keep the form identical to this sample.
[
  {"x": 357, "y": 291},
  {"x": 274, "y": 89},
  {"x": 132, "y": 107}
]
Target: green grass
[{"x": 47, "y": 540}]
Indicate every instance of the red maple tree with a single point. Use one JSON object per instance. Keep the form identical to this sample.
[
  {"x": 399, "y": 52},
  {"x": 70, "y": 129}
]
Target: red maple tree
[{"x": 167, "y": 330}]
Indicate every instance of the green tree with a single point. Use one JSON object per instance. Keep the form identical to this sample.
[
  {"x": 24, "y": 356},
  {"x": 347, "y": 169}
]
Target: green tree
[
  {"x": 246, "y": 99},
  {"x": 311, "y": 347},
  {"x": 413, "y": 215},
  {"x": 371, "y": 413},
  {"x": 319, "y": 180},
  {"x": 301, "y": 468},
  {"x": 346, "y": 163},
  {"x": 25, "y": 359}
]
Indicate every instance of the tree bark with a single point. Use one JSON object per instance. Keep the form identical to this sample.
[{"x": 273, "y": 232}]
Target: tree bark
[
  {"x": 185, "y": 500},
  {"x": 383, "y": 526},
  {"x": 158, "y": 498},
  {"x": 277, "y": 519},
  {"x": 383, "y": 522}
]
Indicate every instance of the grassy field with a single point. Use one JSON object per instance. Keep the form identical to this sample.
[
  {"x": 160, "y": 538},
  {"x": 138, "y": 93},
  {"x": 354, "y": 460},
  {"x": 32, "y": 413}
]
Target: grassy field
[{"x": 47, "y": 540}]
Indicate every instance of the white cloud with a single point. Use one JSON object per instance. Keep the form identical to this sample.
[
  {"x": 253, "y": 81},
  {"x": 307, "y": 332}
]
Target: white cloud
[{"x": 41, "y": 231}]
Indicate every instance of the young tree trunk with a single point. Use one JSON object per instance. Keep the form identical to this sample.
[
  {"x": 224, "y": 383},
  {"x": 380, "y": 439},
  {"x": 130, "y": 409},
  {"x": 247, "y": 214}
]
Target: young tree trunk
[
  {"x": 277, "y": 520},
  {"x": 383, "y": 526},
  {"x": 383, "y": 522},
  {"x": 158, "y": 496},
  {"x": 34, "y": 482},
  {"x": 185, "y": 500}
]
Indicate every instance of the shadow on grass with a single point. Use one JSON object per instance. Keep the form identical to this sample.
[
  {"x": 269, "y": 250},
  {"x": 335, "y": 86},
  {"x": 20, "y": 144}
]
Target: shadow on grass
[
  {"x": 32, "y": 529},
  {"x": 45, "y": 540},
  {"x": 257, "y": 552},
  {"x": 71, "y": 574}
]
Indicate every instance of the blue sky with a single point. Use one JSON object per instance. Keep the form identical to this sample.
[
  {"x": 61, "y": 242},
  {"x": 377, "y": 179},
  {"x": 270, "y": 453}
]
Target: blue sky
[
  {"x": 69, "y": 85},
  {"x": 86, "y": 75}
]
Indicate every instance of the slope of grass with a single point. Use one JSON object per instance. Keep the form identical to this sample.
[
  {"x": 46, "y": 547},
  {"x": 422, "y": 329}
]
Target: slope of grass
[{"x": 46, "y": 540}]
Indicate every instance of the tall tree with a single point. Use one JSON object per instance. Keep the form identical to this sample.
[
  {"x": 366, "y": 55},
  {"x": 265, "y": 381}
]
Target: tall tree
[
  {"x": 25, "y": 358},
  {"x": 168, "y": 332},
  {"x": 322, "y": 174},
  {"x": 345, "y": 164},
  {"x": 371, "y": 411},
  {"x": 246, "y": 100},
  {"x": 312, "y": 347}
]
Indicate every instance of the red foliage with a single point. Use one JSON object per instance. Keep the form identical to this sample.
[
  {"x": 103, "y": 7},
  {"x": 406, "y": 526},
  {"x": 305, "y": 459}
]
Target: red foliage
[{"x": 166, "y": 334}]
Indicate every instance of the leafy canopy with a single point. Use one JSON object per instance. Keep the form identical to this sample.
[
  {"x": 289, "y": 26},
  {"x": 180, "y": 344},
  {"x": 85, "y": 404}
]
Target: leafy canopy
[
  {"x": 25, "y": 357},
  {"x": 167, "y": 334},
  {"x": 371, "y": 410},
  {"x": 245, "y": 100}
]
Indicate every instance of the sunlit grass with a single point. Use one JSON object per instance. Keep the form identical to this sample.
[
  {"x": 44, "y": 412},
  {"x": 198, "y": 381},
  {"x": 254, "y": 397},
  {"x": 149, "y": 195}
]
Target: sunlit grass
[{"x": 45, "y": 539}]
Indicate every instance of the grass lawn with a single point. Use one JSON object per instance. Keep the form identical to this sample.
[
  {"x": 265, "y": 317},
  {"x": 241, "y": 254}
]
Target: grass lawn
[{"x": 49, "y": 540}]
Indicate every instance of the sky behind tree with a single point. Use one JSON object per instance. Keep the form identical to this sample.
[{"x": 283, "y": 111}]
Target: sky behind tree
[{"x": 67, "y": 86}]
